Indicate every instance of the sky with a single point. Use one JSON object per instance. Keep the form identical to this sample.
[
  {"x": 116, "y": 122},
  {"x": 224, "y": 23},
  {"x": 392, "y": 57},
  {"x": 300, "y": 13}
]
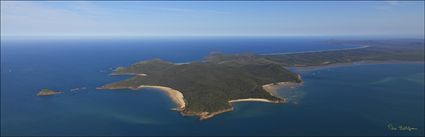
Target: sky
[{"x": 212, "y": 18}]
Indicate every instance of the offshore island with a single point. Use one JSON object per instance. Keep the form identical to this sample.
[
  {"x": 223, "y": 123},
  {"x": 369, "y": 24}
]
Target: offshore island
[
  {"x": 48, "y": 92},
  {"x": 209, "y": 87}
]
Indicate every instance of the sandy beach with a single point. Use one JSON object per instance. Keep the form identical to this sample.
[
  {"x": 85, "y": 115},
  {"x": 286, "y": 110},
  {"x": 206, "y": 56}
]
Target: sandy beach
[
  {"x": 141, "y": 74},
  {"x": 357, "y": 63},
  {"x": 272, "y": 88},
  {"x": 175, "y": 95},
  {"x": 207, "y": 115},
  {"x": 314, "y": 51},
  {"x": 138, "y": 74},
  {"x": 253, "y": 99},
  {"x": 178, "y": 98}
]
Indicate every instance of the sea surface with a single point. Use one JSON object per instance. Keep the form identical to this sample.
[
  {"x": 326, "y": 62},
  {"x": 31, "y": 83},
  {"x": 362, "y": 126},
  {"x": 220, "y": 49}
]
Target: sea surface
[{"x": 347, "y": 100}]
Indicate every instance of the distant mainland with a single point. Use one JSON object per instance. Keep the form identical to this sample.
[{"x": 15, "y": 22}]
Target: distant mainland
[{"x": 209, "y": 87}]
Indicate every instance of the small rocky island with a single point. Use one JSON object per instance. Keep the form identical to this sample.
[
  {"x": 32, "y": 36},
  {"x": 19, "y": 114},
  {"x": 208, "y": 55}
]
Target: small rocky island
[
  {"x": 209, "y": 87},
  {"x": 48, "y": 92}
]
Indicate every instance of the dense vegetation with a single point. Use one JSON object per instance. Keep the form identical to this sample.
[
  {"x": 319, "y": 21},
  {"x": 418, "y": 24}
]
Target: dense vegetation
[
  {"x": 206, "y": 86},
  {"x": 384, "y": 50},
  {"x": 209, "y": 84}
]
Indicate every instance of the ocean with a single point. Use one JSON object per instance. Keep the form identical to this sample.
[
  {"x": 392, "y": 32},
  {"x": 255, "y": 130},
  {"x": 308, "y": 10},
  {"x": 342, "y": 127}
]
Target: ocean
[{"x": 347, "y": 100}]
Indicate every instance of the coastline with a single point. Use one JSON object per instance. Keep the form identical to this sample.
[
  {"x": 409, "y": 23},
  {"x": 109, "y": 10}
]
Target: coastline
[
  {"x": 49, "y": 93},
  {"x": 175, "y": 95},
  {"x": 254, "y": 100},
  {"x": 273, "y": 87},
  {"x": 131, "y": 74},
  {"x": 357, "y": 63},
  {"x": 270, "y": 88},
  {"x": 314, "y": 51},
  {"x": 178, "y": 98},
  {"x": 206, "y": 115}
]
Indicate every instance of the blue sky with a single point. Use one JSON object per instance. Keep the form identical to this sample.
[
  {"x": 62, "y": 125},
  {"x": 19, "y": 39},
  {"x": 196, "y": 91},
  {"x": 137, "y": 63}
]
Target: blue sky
[{"x": 215, "y": 18}]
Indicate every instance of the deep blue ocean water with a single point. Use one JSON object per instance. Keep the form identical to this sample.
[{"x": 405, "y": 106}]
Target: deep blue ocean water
[{"x": 350, "y": 100}]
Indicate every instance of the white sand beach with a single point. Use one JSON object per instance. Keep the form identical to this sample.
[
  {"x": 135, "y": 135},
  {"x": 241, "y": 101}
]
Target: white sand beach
[{"x": 175, "y": 95}]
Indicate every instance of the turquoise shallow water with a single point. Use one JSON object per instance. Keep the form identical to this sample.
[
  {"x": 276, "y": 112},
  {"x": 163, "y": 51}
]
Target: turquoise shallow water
[{"x": 349, "y": 100}]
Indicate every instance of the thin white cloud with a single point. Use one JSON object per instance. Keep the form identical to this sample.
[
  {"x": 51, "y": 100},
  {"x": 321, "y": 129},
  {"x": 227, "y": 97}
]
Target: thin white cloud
[
  {"x": 28, "y": 18},
  {"x": 187, "y": 10},
  {"x": 393, "y": 2},
  {"x": 77, "y": 18},
  {"x": 126, "y": 19},
  {"x": 388, "y": 5}
]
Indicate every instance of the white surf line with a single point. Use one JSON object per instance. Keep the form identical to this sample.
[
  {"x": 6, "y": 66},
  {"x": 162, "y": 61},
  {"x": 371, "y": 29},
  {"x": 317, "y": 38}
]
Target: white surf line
[
  {"x": 182, "y": 63},
  {"x": 313, "y": 51}
]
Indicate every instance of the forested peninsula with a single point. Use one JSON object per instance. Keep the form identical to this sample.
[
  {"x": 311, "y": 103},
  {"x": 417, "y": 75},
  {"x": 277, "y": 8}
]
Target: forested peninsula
[{"x": 209, "y": 87}]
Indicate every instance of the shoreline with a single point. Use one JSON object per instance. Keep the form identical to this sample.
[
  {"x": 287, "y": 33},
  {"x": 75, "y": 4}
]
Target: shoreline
[
  {"x": 178, "y": 98},
  {"x": 131, "y": 74},
  {"x": 270, "y": 88},
  {"x": 253, "y": 100},
  {"x": 175, "y": 95},
  {"x": 274, "y": 87},
  {"x": 357, "y": 63},
  {"x": 41, "y": 94},
  {"x": 314, "y": 51}
]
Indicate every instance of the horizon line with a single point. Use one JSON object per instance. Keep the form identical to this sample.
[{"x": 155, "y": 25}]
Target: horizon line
[{"x": 204, "y": 35}]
